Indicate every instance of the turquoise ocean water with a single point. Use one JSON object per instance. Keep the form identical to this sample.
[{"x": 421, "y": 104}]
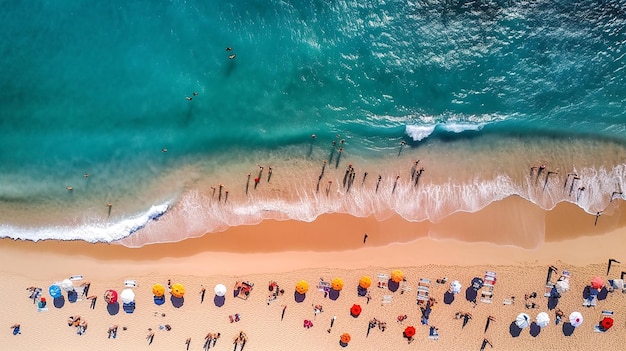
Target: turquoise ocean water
[{"x": 478, "y": 90}]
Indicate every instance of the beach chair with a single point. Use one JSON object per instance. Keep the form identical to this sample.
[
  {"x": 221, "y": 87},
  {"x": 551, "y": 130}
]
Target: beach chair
[
  {"x": 76, "y": 277},
  {"x": 433, "y": 334},
  {"x": 323, "y": 286},
  {"x": 547, "y": 292},
  {"x": 486, "y": 296},
  {"x": 405, "y": 288},
  {"x": 508, "y": 302},
  {"x": 130, "y": 283},
  {"x": 490, "y": 279},
  {"x": 387, "y": 299},
  {"x": 423, "y": 290},
  {"x": 383, "y": 279}
]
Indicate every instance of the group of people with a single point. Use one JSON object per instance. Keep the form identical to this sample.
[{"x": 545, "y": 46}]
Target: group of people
[{"x": 79, "y": 323}]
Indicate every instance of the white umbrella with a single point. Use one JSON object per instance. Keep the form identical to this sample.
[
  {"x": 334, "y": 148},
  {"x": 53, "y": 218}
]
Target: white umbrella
[
  {"x": 220, "y": 290},
  {"x": 562, "y": 286},
  {"x": 127, "y": 296},
  {"x": 522, "y": 320},
  {"x": 67, "y": 285},
  {"x": 543, "y": 319},
  {"x": 575, "y": 319},
  {"x": 455, "y": 286}
]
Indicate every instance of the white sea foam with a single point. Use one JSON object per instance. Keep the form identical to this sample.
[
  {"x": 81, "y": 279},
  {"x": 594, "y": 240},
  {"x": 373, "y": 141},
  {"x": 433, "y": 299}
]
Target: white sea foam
[
  {"x": 90, "y": 232},
  {"x": 421, "y": 132}
]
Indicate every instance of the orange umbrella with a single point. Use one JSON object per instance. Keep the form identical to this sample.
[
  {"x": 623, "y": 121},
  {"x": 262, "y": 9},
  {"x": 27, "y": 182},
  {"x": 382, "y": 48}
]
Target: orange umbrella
[
  {"x": 397, "y": 275},
  {"x": 302, "y": 287},
  {"x": 355, "y": 310},
  {"x": 597, "y": 283},
  {"x": 158, "y": 290},
  {"x": 178, "y": 290},
  {"x": 409, "y": 332},
  {"x": 337, "y": 284},
  {"x": 365, "y": 282},
  {"x": 345, "y": 338}
]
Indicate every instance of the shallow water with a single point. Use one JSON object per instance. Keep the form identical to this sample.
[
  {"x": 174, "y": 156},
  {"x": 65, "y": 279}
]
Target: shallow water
[{"x": 479, "y": 92}]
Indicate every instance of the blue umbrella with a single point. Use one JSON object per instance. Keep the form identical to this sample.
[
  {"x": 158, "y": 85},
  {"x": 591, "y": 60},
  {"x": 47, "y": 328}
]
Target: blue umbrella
[{"x": 55, "y": 291}]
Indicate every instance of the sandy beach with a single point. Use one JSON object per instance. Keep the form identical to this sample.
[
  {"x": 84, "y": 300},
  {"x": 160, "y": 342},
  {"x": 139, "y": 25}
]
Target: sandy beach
[{"x": 330, "y": 247}]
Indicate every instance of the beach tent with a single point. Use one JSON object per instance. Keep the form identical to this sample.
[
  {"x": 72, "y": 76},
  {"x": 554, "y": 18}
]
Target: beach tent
[
  {"x": 220, "y": 290},
  {"x": 336, "y": 284},
  {"x": 455, "y": 287},
  {"x": 110, "y": 296},
  {"x": 127, "y": 296},
  {"x": 522, "y": 320},
  {"x": 55, "y": 291},
  {"x": 158, "y": 290},
  {"x": 397, "y": 276},
  {"x": 67, "y": 285},
  {"x": 576, "y": 319},
  {"x": 178, "y": 290},
  {"x": 543, "y": 319},
  {"x": 597, "y": 283},
  {"x": 365, "y": 282}
]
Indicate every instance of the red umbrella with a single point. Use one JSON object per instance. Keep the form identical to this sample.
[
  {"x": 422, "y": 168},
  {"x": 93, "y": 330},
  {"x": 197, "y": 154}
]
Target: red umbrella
[
  {"x": 110, "y": 296},
  {"x": 355, "y": 310},
  {"x": 597, "y": 283},
  {"x": 606, "y": 323},
  {"x": 409, "y": 332}
]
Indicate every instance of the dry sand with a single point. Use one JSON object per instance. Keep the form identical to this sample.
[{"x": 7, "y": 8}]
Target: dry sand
[{"x": 330, "y": 247}]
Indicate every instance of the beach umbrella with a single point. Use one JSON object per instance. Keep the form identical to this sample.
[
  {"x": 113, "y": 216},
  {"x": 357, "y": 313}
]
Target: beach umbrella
[
  {"x": 575, "y": 319},
  {"x": 477, "y": 283},
  {"x": 127, "y": 295},
  {"x": 562, "y": 286},
  {"x": 55, "y": 291},
  {"x": 597, "y": 283},
  {"x": 345, "y": 338},
  {"x": 397, "y": 276},
  {"x": 220, "y": 290},
  {"x": 110, "y": 296},
  {"x": 365, "y": 282},
  {"x": 67, "y": 285},
  {"x": 177, "y": 290},
  {"x": 355, "y": 310},
  {"x": 336, "y": 284},
  {"x": 409, "y": 332},
  {"x": 522, "y": 320},
  {"x": 302, "y": 287},
  {"x": 455, "y": 286},
  {"x": 158, "y": 290},
  {"x": 606, "y": 323},
  {"x": 543, "y": 319}
]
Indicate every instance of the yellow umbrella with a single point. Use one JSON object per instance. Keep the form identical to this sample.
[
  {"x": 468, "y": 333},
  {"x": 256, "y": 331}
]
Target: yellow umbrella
[
  {"x": 158, "y": 290},
  {"x": 397, "y": 275},
  {"x": 337, "y": 284},
  {"x": 178, "y": 290},
  {"x": 365, "y": 282},
  {"x": 302, "y": 287}
]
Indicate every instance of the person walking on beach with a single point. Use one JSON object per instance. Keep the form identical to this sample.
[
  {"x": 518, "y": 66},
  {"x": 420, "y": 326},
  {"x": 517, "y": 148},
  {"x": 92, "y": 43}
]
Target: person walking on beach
[
  {"x": 150, "y": 336},
  {"x": 188, "y": 342},
  {"x": 202, "y": 292},
  {"x": 364, "y": 238}
]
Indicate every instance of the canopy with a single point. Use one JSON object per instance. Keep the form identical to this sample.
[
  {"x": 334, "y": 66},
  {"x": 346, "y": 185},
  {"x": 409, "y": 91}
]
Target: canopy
[
  {"x": 543, "y": 319},
  {"x": 606, "y": 323},
  {"x": 67, "y": 285},
  {"x": 455, "y": 286},
  {"x": 409, "y": 331},
  {"x": 597, "y": 283},
  {"x": 110, "y": 296},
  {"x": 576, "y": 319},
  {"x": 177, "y": 290},
  {"x": 302, "y": 287},
  {"x": 562, "y": 286},
  {"x": 55, "y": 291},
  {"x": 127, "y": 295},
  {"x": 345, "y": 338},
  {"x": 397, "y": 276},
  {"x": 522, "y": 320},
  {"x": 337, "y": 284},
  {"x": 158, "y": 290},
  {"x": 365, "y": 282},
  {"x": 220, "y": 290},
  {"x": 355, "y": 310}
]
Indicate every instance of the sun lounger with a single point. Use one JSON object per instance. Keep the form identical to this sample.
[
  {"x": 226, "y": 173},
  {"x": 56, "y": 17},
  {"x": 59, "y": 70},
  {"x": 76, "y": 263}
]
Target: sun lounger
[
  {"x": 489, "y": 282},
  {"x": 387, "y": 299},
  {"x": 490, "y": 279},
  {"x": 130, "y": 283},
  {"x": 547, "y": 292},
  {"x": 405, "y": 288},
  {"x": 323, "y": 286},
  {"x": 433, "y": 334},
  {"x": 76, "y": 277},
  {"x": 508, "y": 302},
  {"x": 383, "y": 279},
  {"x": 423, "y": 293},
  {"x": 486, "y": 296},
  {"x": 244, "y": 290}
]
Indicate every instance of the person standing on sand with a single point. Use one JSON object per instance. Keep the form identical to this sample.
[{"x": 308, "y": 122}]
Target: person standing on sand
[
  {"x": 93, "y": 299},
  {"x": 364, "y": 238},
  {"x": 150, "y": 336},
  {"x": 202, "y": 292}
]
